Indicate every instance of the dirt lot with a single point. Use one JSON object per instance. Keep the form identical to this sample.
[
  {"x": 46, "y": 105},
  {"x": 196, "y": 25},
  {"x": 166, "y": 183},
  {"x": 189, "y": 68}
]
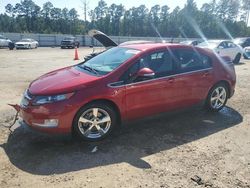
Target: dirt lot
[{"x": 165, "y": 151}]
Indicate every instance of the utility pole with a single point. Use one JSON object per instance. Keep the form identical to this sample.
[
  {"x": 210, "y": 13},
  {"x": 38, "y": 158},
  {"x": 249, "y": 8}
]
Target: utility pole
[{"x": 85, "y": 9}]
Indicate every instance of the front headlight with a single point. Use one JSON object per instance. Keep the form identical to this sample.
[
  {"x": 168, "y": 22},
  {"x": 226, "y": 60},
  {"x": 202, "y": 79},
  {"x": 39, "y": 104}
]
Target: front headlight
[{"x": 38, "y": 100}]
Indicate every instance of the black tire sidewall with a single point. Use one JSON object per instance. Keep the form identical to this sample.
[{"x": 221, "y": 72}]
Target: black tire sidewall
[
  {"x": 208, "y": 100},
  {"x": 103, "y": 106},
  {"x": 237, "y": 59}
]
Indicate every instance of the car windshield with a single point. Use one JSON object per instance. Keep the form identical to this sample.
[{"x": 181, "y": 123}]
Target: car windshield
[
  {"x": 69, "y": 38},
  {"x": 186, "y": 42},
  {"x": 239, "y": 40},
  {"x": 209, "y": 44},
  {"x": 109, "y": 60},
  {"x": 25, "y": 40}
]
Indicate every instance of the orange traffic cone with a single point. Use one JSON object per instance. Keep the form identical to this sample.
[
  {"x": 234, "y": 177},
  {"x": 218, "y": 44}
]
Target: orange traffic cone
[{"x": 76, "y": 54}]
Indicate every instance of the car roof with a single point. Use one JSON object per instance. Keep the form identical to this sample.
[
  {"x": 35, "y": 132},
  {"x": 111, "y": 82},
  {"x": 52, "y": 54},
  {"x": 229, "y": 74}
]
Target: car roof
[{"x": 147, "y": 46}]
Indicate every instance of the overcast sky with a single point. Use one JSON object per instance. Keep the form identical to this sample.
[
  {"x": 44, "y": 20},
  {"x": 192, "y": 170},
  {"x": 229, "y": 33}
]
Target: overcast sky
[{"x": 77, "y": 4}]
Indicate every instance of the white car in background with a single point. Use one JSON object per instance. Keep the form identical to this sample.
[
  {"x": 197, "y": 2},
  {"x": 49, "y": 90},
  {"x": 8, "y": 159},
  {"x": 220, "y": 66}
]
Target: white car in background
[
  {"x": 224, "y": 48},
  {"x": 4, "y": 42},
  {"x": 26, "y": 44}
]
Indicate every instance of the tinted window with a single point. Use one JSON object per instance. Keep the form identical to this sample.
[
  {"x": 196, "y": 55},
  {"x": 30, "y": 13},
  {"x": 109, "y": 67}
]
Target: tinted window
[
  {"x": 231, "y": 45},
  {"x": 190, "y": 60},
  {"x": 160, "y": 62}
]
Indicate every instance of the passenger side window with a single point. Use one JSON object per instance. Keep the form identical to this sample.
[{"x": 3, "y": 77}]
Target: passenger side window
[
  {"x": 191, "y": 60},
  {"x": 231, "y": 45},
  {"x": 222, "y": 45},
  {"x": 160, "y": 62}
]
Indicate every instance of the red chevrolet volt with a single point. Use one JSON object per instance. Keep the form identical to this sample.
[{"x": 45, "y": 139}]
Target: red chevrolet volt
[{"x": 126, "y": 82}]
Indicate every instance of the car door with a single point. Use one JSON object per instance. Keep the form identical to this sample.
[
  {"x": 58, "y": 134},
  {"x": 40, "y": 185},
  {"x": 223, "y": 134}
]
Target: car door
[
  {"x": 233, "y": 49},
  {"x": 150, "y": 96},
  {"x": 194, "y": 76},
  {"x": 222, "y": 49},
  {"x": 227, "y": 48}
]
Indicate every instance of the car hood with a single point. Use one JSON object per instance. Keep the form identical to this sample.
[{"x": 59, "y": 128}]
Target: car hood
[
  {"x": 23, "y": 42},
  {"x": 102, "y": 38},
  {"x": 60, "y": 81}
]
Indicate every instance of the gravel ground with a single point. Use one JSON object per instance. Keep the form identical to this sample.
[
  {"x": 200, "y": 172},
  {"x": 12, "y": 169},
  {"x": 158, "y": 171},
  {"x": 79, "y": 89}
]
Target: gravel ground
[{"x": 186, "y": 149}]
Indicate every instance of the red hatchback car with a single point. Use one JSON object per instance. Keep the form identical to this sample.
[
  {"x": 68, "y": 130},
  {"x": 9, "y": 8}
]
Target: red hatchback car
[{"x": 124, "y": 83}]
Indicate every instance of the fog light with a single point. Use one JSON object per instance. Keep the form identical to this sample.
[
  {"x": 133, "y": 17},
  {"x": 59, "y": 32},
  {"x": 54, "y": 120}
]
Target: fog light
[{"x": 48, "y": 123}]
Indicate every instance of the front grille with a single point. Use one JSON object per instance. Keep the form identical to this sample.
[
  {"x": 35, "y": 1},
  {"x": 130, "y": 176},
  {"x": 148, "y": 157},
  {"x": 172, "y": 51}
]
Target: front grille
[
  {"x": 20, "y": 45},
  {"x": 66, "y": 42}
]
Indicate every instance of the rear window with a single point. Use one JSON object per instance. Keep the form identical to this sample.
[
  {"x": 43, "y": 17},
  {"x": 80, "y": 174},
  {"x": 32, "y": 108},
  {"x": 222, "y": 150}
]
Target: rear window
[{"x": 191, "y": 60}]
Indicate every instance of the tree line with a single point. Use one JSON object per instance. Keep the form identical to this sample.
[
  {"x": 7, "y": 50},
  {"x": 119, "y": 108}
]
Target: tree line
[{"x": 216, "y": 19}]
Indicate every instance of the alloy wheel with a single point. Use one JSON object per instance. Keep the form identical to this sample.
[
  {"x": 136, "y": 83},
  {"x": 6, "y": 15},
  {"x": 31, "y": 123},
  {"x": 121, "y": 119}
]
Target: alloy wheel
[
  {"x": 94, "y": 123},
  {"x": 218, "y": 97}
]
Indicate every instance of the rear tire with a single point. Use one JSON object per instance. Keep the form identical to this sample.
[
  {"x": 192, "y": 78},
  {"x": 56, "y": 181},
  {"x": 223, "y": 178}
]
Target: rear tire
[
  {"x": 237, "y": 59},
  {"x": 94, "y": 121},
  {"x": 217, "y": 97}
]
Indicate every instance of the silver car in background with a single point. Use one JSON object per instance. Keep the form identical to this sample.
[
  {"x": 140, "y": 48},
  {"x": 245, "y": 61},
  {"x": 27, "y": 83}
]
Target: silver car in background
[
  {"x": 4, "y": 41},
  {"x": 224, "y": 48}
]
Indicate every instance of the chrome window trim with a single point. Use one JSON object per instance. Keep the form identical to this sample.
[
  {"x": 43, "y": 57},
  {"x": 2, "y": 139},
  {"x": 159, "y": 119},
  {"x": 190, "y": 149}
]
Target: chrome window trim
[{"x": 161, "y": 78}]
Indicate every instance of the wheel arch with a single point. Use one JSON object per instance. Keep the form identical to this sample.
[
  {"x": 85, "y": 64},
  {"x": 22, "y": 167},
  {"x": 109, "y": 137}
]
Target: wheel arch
[
  {"x": 108, "y": 102},
  {"x": 223, "y": 82}
]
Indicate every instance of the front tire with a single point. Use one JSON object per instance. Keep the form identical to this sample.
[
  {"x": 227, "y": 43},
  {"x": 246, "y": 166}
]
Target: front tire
[
  {"x": 94, "y": 121},
  {"x": 237, "y": 59},
  {"x": 217, "y": 97}
]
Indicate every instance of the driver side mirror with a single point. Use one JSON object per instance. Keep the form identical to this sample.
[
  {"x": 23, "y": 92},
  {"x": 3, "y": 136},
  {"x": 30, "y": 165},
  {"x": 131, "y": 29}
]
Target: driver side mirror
[
  {"x": 220, "y": 47},
  {"x": 145, "y": 73}
]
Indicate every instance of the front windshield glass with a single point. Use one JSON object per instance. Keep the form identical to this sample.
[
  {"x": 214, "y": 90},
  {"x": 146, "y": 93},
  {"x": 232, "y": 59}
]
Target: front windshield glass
[
  {"x": 210, "y": 44},
  {"x": 109, "y": 60},
  {"x": 239, "y": 40},
  {"x": 69, "y": 38},
  {"x": 186, "y": 42},
  {"x": 25, "y": 40}
]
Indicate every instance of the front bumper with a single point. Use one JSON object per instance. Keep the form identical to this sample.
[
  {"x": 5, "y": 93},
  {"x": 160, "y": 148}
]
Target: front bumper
[
  {"x": 51, "y": 118},
  {"x": 22, "y": 47},
  {"x": 67, "y": 45}
]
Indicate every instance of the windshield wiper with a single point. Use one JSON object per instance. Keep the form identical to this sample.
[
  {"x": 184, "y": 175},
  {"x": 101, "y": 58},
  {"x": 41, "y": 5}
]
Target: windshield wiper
[{"x": 90, "y": 69}]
